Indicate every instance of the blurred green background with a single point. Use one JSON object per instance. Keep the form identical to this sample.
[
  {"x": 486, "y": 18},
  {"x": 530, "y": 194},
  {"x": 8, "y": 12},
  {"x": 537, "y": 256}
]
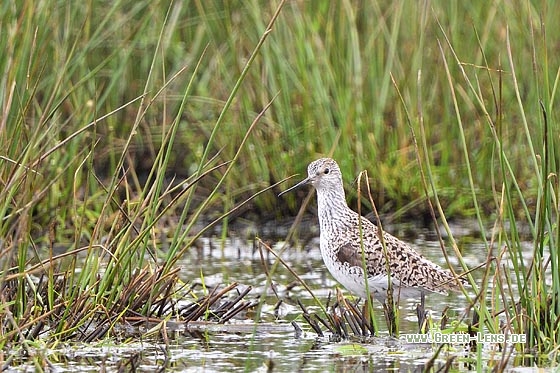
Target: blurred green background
[{"x": 470, "y": 77}]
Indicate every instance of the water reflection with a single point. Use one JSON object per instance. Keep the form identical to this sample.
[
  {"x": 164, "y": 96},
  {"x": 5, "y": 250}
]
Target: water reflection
[
  {"x": 273, "y": 343},
  {"x": 239, "y": 260}
]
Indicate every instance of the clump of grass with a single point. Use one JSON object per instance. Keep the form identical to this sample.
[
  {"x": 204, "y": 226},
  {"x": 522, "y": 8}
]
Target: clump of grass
[
  {"x": 114, "y": 220},
  {"x": 531, "y": 308},
  {"x": 343, "y": 319}
]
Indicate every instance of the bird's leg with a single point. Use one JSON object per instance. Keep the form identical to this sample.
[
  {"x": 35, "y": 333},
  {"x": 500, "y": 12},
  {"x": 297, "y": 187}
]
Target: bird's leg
[{"x": 420, "y": 312}]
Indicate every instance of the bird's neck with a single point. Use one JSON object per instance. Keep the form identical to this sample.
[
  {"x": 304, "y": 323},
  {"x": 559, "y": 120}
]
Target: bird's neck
[{"x": 333, "y": 210}]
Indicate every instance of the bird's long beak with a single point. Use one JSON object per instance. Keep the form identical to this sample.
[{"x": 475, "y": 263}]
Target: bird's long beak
[{"x": 298, "y": 185}]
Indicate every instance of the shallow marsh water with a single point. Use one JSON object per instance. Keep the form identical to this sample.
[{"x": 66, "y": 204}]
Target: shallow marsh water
[{"x": 273, "y": 344}]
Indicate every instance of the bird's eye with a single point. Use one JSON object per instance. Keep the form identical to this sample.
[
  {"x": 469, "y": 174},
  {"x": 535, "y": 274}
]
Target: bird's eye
[{"x": 326, "y": 171}]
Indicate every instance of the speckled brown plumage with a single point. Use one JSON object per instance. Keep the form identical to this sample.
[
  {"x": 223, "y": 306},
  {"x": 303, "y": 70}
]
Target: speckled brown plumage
[{"x": 341, "y": 246}]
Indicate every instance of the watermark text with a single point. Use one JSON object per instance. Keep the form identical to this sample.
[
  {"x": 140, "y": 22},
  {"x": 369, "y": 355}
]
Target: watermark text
[{"x": 461, "y": 338}]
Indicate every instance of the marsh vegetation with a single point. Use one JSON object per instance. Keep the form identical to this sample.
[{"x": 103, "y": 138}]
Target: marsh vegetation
[{"x": 129, "y": 131}]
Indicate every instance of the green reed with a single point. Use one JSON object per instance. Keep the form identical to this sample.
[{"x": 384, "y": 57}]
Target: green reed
[
  {"x": 64, "y": 187},
  {"x": 532, "y": 309}
]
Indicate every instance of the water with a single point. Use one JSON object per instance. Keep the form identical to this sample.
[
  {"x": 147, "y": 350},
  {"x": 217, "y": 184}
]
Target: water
[{"x": 272, "y": 343}]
